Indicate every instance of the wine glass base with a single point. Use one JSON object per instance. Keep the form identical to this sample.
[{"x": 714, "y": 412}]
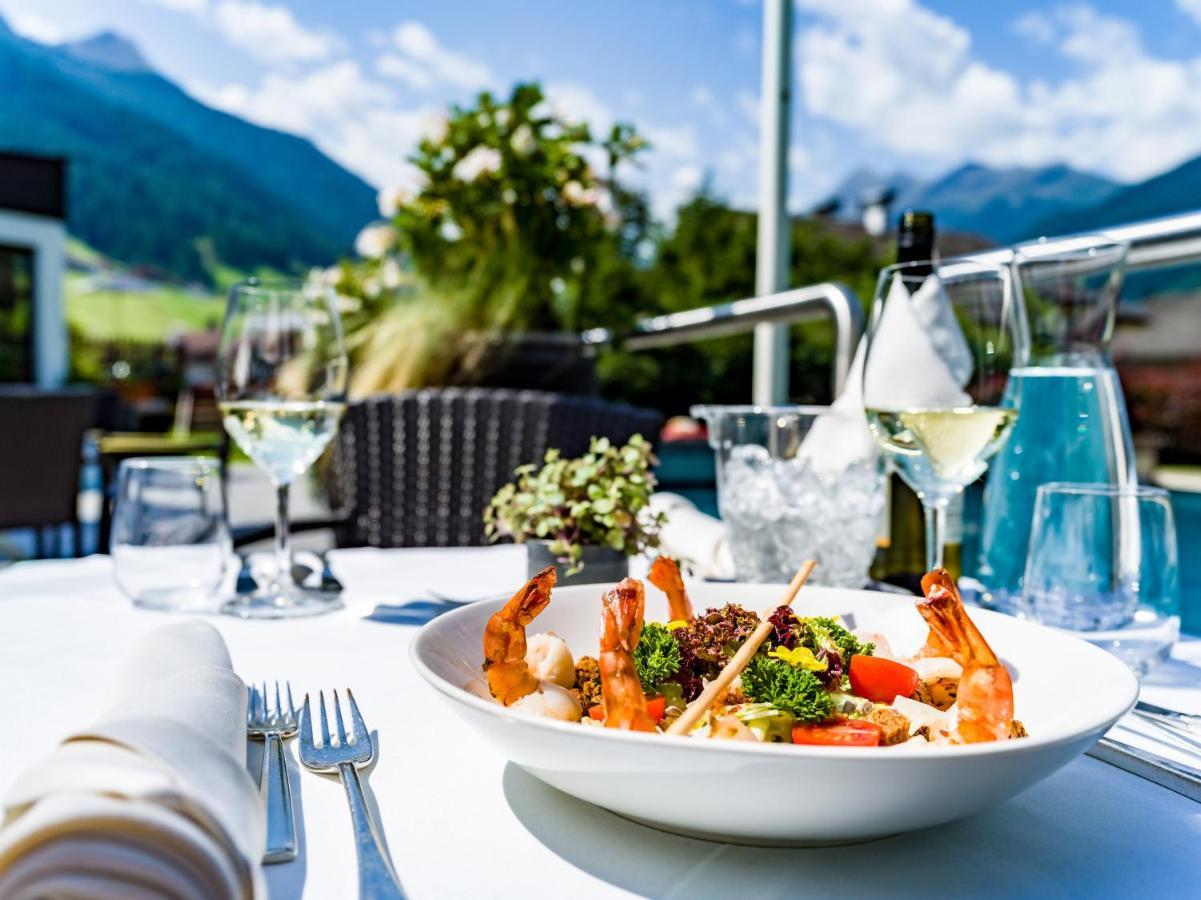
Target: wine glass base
[{"x": 286, "y": 604}]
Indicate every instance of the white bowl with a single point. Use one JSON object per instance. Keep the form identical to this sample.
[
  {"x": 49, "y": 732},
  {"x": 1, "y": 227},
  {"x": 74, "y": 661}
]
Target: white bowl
[{"x": 1067, "y": 694}]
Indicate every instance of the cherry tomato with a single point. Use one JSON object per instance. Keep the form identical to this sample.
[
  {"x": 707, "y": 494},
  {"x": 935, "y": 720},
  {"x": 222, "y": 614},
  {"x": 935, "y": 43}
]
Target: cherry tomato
[
  {"x": 881, "y": 680},
  {"x": 597, "y": 712},
  {"x": 843, "y": 733}
]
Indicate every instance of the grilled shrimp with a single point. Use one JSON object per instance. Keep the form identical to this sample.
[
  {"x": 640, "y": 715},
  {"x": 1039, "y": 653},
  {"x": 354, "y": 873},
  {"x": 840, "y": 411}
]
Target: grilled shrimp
[
  {"x": 985, "y": 698},
  {"x": 621, "y": 626},
  {"x": 665, "y": 575},
  {"x": 509, "y": 676}
]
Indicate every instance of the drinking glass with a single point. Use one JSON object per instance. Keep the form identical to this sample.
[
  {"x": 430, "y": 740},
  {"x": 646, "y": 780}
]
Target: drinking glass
[
  {"x": 170, "y": 542},
  {"x": 940, "y": 343},
  {"x": 281, "y": 387},
  {"x": 797, "y": 483},
  {"x": 1102, "y": 563}
]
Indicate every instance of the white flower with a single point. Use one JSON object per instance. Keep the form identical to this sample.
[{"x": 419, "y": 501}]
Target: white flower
[
  {"x": 502, "y": 117},
  {"x": 578, "y": 195},
  {"x": 604, "y": 200},
  {"x": 450, "y": 231},
  {"x": 390, "y": 274},
  {"x": 391, "y": 199},
  {"x": 324, "y": 278},
  {"x": 374, "y": 241},
  {"x": 479, "y": 161},
  {"x": 434, "y": 128},
  {"x": 522, "y": 141},
  {"x": 509, "y": 196},
  {"x": 347, "y": 305},
  {"x": 372, "y": 286}
]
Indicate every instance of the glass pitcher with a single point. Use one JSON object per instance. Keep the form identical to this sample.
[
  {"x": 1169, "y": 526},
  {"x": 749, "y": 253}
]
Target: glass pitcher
[{"x": 1072, "y": 425}]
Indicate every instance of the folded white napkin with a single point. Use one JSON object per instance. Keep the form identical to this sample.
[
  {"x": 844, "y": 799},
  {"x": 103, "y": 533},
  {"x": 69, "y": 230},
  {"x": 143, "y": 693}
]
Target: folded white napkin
[
  {"x": 920, "y": 358},
  {"x": 693, "y": 536},
  {"x": 154, "y": 799}
]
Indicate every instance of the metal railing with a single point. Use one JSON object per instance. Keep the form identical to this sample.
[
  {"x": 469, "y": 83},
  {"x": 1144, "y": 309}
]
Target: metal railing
[
  {"x": 1155, "y": 243},
  {"x": 785, "y": 308}
]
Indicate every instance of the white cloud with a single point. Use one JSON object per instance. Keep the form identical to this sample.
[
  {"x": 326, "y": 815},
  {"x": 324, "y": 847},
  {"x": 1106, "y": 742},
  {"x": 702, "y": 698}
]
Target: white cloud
[
  {"x": 421, "y": 61},
  {"x": 36, "y": 28},
  {"x": 904, "y": 77},
  {"x": 1035, "y": 26},
  {"x": 403, "y": 69},
  {"x": 674, "y": 141},
  {"x": 1191, "y": 8},
  {"x": 575, "y": 102},
  {"x": 188, "y": 6},
  {"x": 270, "y": 34},
  {"x": 349, "y": 116}
]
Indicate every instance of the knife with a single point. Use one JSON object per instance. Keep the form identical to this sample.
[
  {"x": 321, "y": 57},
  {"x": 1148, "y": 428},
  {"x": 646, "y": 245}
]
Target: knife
[{"x": 1184, "y": 780}]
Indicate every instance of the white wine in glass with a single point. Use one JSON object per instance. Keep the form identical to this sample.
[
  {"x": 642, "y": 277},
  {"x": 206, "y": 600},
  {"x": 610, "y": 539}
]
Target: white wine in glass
[
  {"x": 941, "y": 342},
  {"x": 281, "y": 385}
]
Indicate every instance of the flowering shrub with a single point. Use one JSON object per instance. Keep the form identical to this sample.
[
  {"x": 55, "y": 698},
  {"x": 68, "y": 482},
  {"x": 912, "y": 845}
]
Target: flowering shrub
[{"x": 515, "y": 218}]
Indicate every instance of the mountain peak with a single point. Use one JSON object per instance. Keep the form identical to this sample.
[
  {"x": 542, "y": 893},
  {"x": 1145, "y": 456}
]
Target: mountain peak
[{"x": 109, "y": 50}]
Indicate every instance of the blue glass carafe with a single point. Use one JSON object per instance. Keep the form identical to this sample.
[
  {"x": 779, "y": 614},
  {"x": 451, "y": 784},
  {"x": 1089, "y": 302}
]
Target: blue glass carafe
[{"x": 1072, "y": 423}]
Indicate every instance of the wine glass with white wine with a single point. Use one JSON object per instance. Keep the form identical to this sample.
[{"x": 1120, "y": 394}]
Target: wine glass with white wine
[
  {"x": 940, "y": 343},
  {"x": 281, "y": 387}
]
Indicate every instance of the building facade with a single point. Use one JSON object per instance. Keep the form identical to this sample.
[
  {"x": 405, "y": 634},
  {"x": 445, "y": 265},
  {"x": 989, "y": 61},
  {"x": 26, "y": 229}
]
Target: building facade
[{"x": 33, "y": 323}]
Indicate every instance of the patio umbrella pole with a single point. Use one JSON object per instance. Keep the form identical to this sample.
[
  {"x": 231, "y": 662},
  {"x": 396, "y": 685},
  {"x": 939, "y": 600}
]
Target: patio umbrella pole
[{"x": 770, "y": 381}]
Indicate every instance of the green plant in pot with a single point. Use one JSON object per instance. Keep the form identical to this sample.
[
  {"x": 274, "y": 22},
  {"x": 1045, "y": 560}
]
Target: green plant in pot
[{"x": 587, "y": 516}]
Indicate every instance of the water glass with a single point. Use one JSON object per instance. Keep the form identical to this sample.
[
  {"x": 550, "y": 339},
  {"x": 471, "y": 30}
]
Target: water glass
[
  {"x": 170, "y": 540},
  {"x": 797, "y": 483},
  {"x": 1102, "y": 563}
]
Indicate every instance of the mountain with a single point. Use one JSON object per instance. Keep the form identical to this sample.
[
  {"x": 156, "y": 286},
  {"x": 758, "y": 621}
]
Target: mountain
[
  {"x": 1175, "y": 191},
  {"x": 1001, "y": 204},
  {"x": 861, "y": 184},
  {"x": 1004, "y": 204},
  {"x": 108, "y": 50},
  {"x": 157, "y": 178}
]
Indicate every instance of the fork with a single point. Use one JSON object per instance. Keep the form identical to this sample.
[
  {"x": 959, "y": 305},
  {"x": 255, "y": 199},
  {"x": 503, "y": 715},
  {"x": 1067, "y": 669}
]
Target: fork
[
  {"x": 274, "y": 726},
  {"x": 377, "y": 880}
]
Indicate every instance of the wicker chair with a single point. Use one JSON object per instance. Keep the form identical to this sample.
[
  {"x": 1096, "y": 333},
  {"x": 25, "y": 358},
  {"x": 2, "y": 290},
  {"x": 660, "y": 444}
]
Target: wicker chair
[
  {"x": 416, "y": 469},
  {"x": 40, "y": 459}
]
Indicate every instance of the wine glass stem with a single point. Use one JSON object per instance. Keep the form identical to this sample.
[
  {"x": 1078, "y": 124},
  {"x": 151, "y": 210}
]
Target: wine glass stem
[
  {"x": 936, "y": 531},
  {"x": 283, "y": 539}
]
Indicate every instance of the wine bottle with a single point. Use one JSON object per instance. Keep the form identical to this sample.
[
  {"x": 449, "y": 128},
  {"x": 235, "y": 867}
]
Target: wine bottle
[{"x": 901, "y": 557}]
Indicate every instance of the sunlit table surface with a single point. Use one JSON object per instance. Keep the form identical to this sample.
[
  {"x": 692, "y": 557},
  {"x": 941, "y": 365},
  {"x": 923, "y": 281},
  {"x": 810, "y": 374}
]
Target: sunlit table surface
[{"x": 460, "y": 821}]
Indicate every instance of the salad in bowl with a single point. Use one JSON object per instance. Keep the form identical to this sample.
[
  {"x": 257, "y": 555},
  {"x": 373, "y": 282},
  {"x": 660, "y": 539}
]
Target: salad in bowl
[{"x": 779, "y": 677}]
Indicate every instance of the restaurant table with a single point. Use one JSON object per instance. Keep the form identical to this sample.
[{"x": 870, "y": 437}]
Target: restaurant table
[{"x": 460, "y": 821}]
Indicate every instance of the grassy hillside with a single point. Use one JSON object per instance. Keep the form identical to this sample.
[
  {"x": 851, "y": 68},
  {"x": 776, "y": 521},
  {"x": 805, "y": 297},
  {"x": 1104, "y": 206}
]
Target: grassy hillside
[{"x": 143, "y": 315}]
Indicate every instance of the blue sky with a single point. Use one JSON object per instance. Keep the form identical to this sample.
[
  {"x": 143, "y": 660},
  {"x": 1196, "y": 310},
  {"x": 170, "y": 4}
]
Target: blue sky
[{"x": 1110, "y": 86}]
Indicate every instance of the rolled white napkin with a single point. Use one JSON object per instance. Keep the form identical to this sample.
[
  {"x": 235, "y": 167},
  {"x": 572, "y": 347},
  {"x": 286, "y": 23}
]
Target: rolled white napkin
[
  {"x": 154, "y": 799},
  {"x": 692, "y": 536}
]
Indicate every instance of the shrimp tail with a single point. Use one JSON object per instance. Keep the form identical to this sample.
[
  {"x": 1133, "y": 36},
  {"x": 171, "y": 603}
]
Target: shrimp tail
[
  {"x": 622, "y": 610},
  {"x": 985, "y": 695},
  {"x": 509, "y": 678},
  {"x": 665, "y": 575}
]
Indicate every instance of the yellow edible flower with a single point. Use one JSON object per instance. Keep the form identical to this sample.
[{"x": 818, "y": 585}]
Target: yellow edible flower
[
  {"x": 676, "y": 623},
  {"x": 799, "y": 656}
]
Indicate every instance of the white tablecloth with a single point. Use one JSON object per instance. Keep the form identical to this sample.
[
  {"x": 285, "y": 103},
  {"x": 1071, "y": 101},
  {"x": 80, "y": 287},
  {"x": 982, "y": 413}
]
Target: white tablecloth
[{"x": 462, "y": 822}]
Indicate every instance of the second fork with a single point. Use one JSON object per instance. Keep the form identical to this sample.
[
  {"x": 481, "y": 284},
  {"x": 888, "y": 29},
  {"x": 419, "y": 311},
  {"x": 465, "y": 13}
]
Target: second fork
[{"x": 273, "y": 726}]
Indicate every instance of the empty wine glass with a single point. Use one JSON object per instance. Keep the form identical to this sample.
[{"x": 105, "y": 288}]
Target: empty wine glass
[
  {"x": 940, "y": 343},
  {"x": 281, "y": 386}
]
